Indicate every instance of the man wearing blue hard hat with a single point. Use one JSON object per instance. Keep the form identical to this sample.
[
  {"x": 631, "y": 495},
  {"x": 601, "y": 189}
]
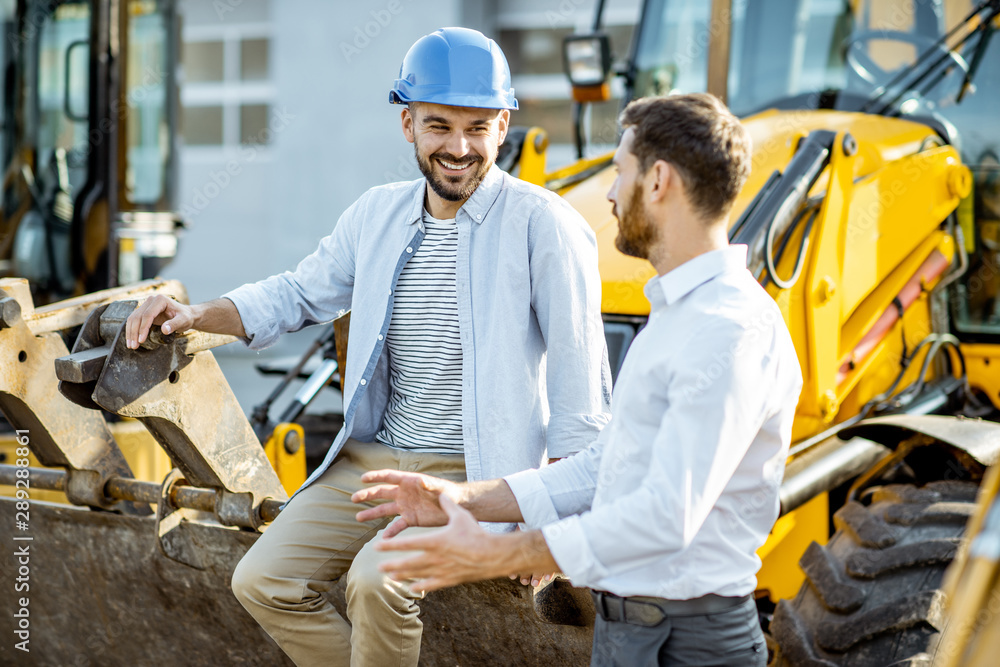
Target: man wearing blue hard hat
[{"x": 476, "y": 346}]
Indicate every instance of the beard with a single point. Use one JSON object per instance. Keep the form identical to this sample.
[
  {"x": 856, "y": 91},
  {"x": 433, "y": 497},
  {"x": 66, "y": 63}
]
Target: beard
[
  {"x": 636, "y": 231},
  {"x": 452, "y": 188}
]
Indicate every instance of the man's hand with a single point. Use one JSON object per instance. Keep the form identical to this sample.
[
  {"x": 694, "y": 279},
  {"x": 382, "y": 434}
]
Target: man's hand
[
  {"x": 454, "y": 555},
  {"x": 533, "y": 579},
  {"x": 463, "y": 552},
  {"x": 413, "y": 496},
  {"x": 157, "y": 309}
]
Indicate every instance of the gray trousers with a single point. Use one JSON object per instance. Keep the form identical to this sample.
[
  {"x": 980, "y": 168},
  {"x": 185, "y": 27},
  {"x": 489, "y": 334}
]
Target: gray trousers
[{"x": 731, "y": 638}]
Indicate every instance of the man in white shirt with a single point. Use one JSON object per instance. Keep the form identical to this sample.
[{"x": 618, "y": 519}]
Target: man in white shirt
[{"x": 663, "y": 514}]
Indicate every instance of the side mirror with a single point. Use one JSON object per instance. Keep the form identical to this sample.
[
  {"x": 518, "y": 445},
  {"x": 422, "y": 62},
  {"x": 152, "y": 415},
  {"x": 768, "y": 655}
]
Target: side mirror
[
  {"x": 71, "y": 91},
  {"x": 588, "y": 63}
]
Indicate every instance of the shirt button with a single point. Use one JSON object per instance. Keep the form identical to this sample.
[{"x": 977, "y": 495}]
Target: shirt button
[
  {"x": 479, "y": 216},
  {"x": 380, "y": 336},
  {"x": 409, "y": 249},
  {"x": 363, "y": 382}
]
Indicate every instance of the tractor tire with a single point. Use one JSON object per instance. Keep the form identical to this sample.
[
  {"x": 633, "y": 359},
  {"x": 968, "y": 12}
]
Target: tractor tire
[{"x": 872, "y": 595}]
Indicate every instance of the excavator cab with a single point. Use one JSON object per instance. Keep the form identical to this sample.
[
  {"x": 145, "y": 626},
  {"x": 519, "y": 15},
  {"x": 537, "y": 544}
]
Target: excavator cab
[{"x": 88, "y": 146}]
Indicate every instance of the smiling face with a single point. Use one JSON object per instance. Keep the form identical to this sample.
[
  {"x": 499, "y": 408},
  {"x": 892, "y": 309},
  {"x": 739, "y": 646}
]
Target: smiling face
[{"x": 454, "y": 146}]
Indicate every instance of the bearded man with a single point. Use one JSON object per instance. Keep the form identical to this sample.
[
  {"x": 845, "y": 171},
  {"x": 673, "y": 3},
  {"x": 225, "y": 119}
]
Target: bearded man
[
  {"x": 662, "y": 516},
  {"x": 460, "y": 284}
]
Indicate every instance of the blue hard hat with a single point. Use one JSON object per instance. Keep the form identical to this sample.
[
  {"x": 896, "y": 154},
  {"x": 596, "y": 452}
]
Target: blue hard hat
[{"x": 455, "y": 66}]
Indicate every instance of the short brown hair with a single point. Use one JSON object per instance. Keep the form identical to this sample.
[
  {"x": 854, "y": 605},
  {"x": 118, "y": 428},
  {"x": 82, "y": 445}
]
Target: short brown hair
[{"x": 701, "y": 138}]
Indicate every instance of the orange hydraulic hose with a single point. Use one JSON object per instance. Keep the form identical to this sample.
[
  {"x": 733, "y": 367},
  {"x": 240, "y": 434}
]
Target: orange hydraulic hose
[{"x": 932, "y": 268}]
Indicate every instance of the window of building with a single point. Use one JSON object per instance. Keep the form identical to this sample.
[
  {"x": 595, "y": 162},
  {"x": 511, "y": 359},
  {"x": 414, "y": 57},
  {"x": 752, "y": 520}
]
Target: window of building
[
  {"x": 202, "y": 62},
  {"x": 253, "y": 59},
  {"x": 202, "y": 125},
  {"x": 226, "y": 92}
]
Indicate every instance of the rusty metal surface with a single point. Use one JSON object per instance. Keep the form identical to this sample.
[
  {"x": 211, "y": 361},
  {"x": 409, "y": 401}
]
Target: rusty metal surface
[
  {"x": 49, "y": 479},
  {"x": 122, "y": 488},
  {"x": 73, "y": 312},
  {"x": 102, "y": 594},
  {"x": 185, "y": 402},
  {"x": 61, "y": 434},
  {"x": 979, "y": 438}
]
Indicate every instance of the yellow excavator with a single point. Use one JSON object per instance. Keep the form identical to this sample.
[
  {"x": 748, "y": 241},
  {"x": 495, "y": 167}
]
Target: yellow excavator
[{"x": 872, "y": 216}]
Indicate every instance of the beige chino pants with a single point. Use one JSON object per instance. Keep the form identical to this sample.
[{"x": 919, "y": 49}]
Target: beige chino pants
[{"x": 316, "y": 540}]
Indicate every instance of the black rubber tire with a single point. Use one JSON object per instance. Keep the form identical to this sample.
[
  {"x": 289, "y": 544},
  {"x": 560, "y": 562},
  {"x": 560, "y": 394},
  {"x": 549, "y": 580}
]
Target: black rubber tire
[{"x": 872, "y": 595}]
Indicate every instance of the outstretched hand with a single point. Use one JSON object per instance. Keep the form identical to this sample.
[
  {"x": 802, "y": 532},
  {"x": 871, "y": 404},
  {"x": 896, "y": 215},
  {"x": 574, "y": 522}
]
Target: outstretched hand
[
  {"x": 413, "y": 496},
  {"x": 459, "y": 553}
]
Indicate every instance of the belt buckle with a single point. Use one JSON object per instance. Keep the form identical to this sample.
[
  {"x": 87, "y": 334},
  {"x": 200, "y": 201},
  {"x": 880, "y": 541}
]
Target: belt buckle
[{"x": 601, "y": 602}]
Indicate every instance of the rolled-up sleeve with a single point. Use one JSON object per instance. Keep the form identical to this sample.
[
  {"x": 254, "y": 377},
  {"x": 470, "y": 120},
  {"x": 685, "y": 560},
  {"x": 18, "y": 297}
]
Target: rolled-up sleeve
[
  {"x": 566, "y": 298},
  {"x": 557, "y": 490},
  {"x": 532, "y": 498},
  {"x": 318, "y": 290}
]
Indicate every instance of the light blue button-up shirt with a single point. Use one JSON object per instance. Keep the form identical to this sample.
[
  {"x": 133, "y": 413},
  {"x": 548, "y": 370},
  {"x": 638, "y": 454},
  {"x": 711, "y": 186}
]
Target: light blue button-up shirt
[
  {"x": 535, "y": 374},
  {"x": 681, "y": 488}
]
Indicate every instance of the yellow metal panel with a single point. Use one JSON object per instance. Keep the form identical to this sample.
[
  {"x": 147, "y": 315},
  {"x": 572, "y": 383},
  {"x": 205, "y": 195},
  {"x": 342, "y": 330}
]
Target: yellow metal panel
[
  {"x": 823, "y": 295},
  {"x": 780, "y": 573},
  {"x": 982, "y": 362},
  {"x": 532, "y": 162},
  {"x": 891, "y": 213},
  {"x": 286, "y": 451},
  {"x": 145, "y": 457},
  {"x": 880, "y": 140}
]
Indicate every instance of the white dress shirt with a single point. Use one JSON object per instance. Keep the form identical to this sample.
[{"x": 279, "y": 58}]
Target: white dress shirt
[{"x": 679, "y": 491}]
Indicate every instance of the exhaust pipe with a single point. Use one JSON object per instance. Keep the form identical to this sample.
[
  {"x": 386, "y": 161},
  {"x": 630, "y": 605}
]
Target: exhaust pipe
[{"x": 825, "y": 467}]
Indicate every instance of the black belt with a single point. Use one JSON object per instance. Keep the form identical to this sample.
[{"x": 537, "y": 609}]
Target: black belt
[{"x": 649, "y": 612}]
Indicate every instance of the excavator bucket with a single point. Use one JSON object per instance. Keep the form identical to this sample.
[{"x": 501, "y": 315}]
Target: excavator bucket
[{"x": 107, "y": 581}]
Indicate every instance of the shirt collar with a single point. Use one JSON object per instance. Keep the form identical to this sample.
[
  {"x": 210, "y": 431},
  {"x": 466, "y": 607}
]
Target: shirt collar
[
  {"x": 477, "y": 206},
  {"x": 674, "y": 285}
]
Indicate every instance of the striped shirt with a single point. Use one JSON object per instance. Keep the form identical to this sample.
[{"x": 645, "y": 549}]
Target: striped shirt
[{"x": 425, "y": 348}]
